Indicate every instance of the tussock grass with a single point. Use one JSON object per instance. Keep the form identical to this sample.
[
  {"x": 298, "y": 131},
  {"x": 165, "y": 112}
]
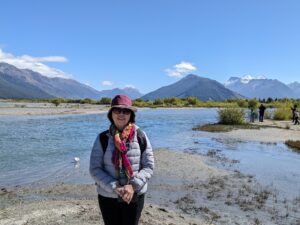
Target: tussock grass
[
  {"x": 282, "y": 114},
  {"x": 231, "y": 116}
]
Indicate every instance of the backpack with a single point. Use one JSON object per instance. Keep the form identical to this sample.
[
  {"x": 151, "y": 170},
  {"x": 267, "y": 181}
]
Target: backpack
[{"x": 103, "y": 138}]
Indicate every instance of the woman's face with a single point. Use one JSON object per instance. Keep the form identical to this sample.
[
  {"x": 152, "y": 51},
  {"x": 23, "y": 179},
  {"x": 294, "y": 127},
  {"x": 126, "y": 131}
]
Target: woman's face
[{"x": 121, "y": 117}]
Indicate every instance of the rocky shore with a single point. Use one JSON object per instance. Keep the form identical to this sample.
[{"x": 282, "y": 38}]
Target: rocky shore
[
  {"x": 187, "y": 188},
  {"x": 184, "y": 190}
]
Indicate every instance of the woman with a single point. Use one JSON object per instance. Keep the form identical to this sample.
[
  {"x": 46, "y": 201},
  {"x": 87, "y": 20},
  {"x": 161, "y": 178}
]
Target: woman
[{"x": 121, "y": 165}]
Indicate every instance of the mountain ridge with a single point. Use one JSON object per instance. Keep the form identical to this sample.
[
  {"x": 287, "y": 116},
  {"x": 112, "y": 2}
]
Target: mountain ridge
[
  {"x": 26, "y": 84},
  {"x": 193, "y": 86},
  {"x": 260, "y": 88}
]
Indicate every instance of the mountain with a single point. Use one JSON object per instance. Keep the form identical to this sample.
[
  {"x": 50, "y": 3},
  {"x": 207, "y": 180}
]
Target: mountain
[
  {"x": 245, "y": 79},
  {"x": 18, "y": 84},
  {"x": 259, "y": 87},
  {"x": 26, "y": 84},
  {"x": 133, "y": 93},
  {"x": 193, "y": 85},
  {"x": 295, "y": 86}
]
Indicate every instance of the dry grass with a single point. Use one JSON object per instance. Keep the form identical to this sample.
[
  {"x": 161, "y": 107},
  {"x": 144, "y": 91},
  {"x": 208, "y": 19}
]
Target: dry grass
[
  {"x": 224, "y": 128},
  {"x": 295, "y": 145}
]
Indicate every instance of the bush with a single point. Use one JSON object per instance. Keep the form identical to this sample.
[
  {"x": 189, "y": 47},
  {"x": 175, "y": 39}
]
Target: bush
[
  {"x": 231, "y": 116},
  {"x": 105, "y": 101},
  {"x": 139, "y": 100},
  {"x": 252, "y": 104},
  {"x": 56, "y": 101},
  {"x": 242, "y": 103},
  {"x": 158, "y": 102},
  {"x": 282, "y": 114},
  {"x": 173, "y": 101},
  {"x": 269, "y": 100},
  {"x": 142, "y": 103},
  {"x": 86, "y": 101},
  {"x": 192, "y": 101}
]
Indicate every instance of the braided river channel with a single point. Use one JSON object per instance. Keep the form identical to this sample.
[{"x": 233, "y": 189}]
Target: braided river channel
[{"x": 42, "y": 148}]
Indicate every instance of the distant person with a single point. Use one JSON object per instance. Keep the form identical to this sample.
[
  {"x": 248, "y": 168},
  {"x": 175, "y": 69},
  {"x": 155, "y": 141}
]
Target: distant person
[
  {"x": 294, "y": 109},
  {"x": 121, "y": 164},
  {"x": 296, "y": 118},
  {"x": 262, "y": 109},
  {"x": 252, "y": 115}
]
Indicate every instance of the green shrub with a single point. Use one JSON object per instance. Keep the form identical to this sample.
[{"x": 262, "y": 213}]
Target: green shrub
[
  {"x": 142, "y": 103},
  {"x": 139, "y": 100},
  {"x": 192, "y": 101},
  {"x": 86, "y": 101},
  {"x": 105, "y": 101},
  {"x": 282, "y": 114},
  {"x": 158, "y": 102},
  {"x": 173, "y": 101},
  {"x": 269, "y": 100},
  {"x": 242, "y": 103},
  {"x": 56, "y": 101},
  {"x": 231, "y": 116},
  {"x": 252, "y": 104}
]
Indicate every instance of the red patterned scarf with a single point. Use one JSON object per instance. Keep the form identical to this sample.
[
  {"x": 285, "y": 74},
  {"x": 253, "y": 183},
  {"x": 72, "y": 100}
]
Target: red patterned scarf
[{"x": 119, "y": 158}]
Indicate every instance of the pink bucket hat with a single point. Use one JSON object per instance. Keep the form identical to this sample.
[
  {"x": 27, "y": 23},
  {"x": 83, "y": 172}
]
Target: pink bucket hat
[{"x": 122, "y": 101}]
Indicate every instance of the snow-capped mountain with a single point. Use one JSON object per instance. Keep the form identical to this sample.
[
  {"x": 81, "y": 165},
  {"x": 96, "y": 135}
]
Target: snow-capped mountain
[
  {"x": 259, "y": 87},
  {"x": 245, "y": 79}
]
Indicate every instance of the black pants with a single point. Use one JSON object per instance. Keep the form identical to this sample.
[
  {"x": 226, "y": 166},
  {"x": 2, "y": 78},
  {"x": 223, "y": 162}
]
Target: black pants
[
  {"x": 261, "y": 117},
  {"x": 120, "y": 213}
]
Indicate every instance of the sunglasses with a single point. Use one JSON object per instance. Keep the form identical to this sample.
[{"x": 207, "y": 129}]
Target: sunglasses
[{"x": 121, "y": 110}]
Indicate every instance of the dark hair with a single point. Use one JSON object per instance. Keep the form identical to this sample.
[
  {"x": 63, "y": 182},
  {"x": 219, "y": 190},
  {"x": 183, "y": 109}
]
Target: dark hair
[{"x": 131, "y": 119}]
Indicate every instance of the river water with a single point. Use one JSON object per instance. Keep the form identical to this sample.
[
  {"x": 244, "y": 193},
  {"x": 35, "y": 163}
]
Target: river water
[{"x": 42, "y": 148}]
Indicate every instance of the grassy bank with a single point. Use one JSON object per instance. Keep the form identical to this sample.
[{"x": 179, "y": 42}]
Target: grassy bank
[
  {"x": 216, "y": 127},
  {"x": 295, "y": 145},
  {"x": 179, "y": 102}
]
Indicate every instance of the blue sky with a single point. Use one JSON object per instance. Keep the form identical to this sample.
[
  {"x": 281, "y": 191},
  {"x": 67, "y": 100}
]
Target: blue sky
[{"x": 152, "y": 43}]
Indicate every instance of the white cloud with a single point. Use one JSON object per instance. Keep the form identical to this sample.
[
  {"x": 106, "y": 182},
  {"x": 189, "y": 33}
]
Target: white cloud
[
  {"x": 44, "y": 59},
  {"x": 35, "y": 63},
  {"x": 181, "y": 69},
  {"x": 107, "y": 83}
]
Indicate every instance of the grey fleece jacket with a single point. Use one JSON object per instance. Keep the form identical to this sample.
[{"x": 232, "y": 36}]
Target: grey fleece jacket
[{"x": 104, "y": 173}]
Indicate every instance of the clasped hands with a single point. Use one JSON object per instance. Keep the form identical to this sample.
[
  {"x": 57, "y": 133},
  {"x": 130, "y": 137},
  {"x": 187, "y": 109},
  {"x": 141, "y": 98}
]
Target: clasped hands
[{"x": 125, "y": 192}]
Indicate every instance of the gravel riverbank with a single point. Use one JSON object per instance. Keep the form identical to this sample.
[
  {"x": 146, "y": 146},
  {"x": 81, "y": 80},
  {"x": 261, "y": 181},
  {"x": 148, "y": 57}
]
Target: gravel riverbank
[{"x": 184, "y": 190}]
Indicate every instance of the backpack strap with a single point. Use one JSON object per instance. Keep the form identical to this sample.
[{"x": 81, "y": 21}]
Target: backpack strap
[
  {"x": 103, "y": 138},
  {"x": 142, "y": 140}
]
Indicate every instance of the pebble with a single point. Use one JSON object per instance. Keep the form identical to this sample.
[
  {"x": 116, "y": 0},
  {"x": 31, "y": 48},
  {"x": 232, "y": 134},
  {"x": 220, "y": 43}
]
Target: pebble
[{"x": 4, "y": 190}]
